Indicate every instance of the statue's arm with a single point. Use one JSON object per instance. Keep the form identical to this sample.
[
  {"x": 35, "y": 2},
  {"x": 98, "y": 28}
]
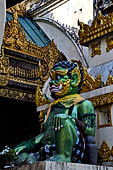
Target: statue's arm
[
  {"x": 29, "y": 146},
  {"x": 87, "y": 115}
]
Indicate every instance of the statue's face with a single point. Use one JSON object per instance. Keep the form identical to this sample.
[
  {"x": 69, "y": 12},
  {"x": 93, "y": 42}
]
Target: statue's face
[{"x": 60, "y": 83}]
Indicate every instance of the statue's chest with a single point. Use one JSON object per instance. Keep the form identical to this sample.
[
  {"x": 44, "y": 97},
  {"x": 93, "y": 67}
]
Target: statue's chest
[
  {"x": 55, "y": 110},
  {"x": 49, "y": 137}
]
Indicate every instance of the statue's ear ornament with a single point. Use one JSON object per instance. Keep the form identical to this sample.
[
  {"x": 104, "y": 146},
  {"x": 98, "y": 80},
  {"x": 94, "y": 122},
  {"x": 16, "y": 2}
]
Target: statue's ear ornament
[
  {"x": 53, "y": 74},
  {"x": 76, "y": 71}
]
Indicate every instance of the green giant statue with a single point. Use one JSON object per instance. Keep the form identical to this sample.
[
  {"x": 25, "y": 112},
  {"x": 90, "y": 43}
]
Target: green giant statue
[{"x": 68, "y": 121}]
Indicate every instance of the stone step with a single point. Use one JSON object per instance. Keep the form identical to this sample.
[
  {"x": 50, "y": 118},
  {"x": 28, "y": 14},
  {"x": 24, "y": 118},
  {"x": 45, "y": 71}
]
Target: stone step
[{"x": 47, "y": 165}]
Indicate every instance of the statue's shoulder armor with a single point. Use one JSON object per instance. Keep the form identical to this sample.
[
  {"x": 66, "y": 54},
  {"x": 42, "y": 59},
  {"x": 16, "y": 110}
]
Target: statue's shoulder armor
[
  {"x": 85, "y": 103},
  {"x": 86, "y": 108}
]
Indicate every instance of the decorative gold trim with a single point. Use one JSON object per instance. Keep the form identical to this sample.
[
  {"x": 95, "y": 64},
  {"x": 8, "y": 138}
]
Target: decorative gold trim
[
  {"x": 98, "y": 118},
  {"x": 21, "y": 75},
  {"x": 17, "y": 94},
  {"x": 109, "y": 81},
  {"x": 6, "y": 72},
  {"x": 4, "y": 80},
  {"x": 4, "y": 64},
  {"x": 104, "y": 152},
  {"x": 109, "y": 43},
  {"x": 102, "y": 99},
  {"x": 20, "y": 8},
  {"x": 40, "y": 100},
  {"x": 96, "y": 48},
  {"x": 15, "y": 40},
  {"x": 23, "y": 81},
  {"x": 4, "y": 69},
  {"x": 101, "y": 26},
  {"x": 89, "y": 83}
]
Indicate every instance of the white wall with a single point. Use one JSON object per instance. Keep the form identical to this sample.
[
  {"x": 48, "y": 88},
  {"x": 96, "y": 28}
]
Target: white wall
[
  {"x": 104, "y": 56},
  {"x": 63, "y": 41},
  {"x": 71, "y": 11},
  {"x": 67, "y": 15}
]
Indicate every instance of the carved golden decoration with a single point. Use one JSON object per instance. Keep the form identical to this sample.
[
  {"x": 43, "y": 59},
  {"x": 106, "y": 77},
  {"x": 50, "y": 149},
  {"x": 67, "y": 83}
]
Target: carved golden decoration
[
  {"x": 4, "y": 80},
  {"x": 102, "y": 99},
  {"x": 96, "y": 49},
  {"x": 89, "y": 83},
  {"x": 109, "y": 43},
  {"x": 41, "y": 119},
  {"x": 4, "y": 64},
  {"x": 15, "y": 40},
  {"x": 4, "y": 69},
  {"x": 40, "y": 100},
  {"x": 8, "y": 72},
  {"x": 20, "y": 8},
  {"x": 109, "y": 81},
  {"x": 24, "y": 81},
  {"x": 24, "y": 73},
  {"x": 101, "y": 25},
  {"x": 76, "y": 70},
  {"x": 17, "y": 94},
  {"x": 15, "y": 37},
  {"x": 104, "y": 152}
]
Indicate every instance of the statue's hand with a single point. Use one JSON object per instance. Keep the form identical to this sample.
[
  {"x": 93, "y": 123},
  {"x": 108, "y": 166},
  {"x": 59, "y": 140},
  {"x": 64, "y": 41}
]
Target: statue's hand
[
  {"x": 59, "y": 120},
  {"x": 20, "y": 149}
]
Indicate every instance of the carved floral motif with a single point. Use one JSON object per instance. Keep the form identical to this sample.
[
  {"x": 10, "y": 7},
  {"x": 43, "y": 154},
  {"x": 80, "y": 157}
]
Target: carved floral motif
[
  {"x": 104, "y": 152},
  {"x": 16, "y": 94},
  {"x": 96, "y": 49},
  {"x": 102, "y": 99},
  {"x": 40, "y": 100},
  {"x": 109, "y": 43},
  {"x": 20, "y": 8},
  {"x": 101, "y": 25},
  {"x": 89, "y": 83},
  {"x": 15, "y": 40},
  {"x": 109, "y": 81}
]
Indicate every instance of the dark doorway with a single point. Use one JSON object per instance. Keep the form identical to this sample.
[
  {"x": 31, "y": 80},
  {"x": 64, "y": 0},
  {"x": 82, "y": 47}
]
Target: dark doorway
[{"x": 18, "y": 122}]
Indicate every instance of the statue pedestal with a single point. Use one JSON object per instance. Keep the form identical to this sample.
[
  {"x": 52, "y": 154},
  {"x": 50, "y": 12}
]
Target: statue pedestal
[{"x": 47, "y": 165}]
